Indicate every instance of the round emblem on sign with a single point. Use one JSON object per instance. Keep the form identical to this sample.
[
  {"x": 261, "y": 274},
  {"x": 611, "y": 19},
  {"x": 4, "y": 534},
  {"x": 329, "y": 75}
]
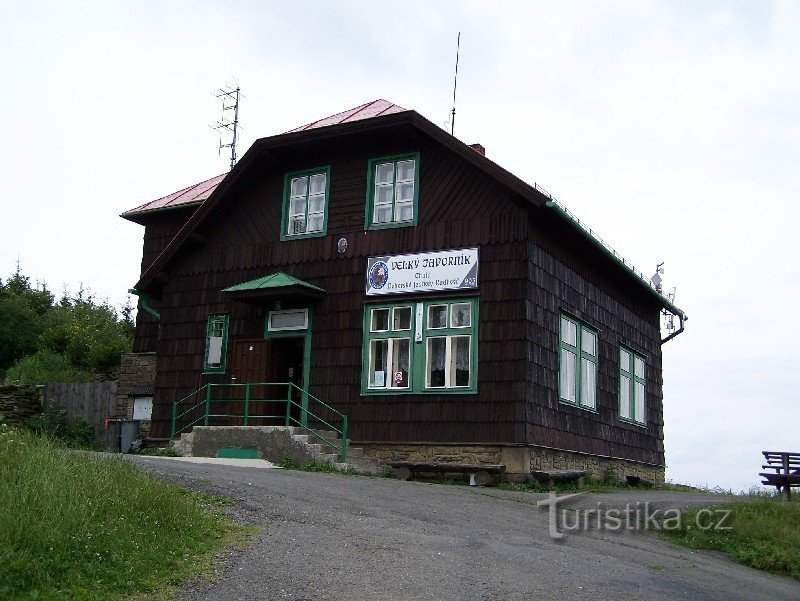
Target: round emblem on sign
[
  {"x": 341, "y": 246},
  {"x": 378, "y": 275}
]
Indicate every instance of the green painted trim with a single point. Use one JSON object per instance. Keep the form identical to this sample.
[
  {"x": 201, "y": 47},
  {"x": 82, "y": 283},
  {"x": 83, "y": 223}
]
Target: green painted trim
[
  {"x": 306, "y": 336},
  {"x": 237, "y": 453},
  {"x": 287, "y": 180},
  {"x": 633, "y": 378},
  {"x": 224, "y": 357},
  {"x": 665, "y": 302},
  {"x": 369, "y": 205},
  {"x": 417, "y": 351},
  {"x": 144, "y": 300},
  {"x": 579, "y": 353}
]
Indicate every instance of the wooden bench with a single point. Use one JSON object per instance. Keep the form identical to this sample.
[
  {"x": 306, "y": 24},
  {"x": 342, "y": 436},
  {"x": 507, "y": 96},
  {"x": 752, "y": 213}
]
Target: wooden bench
[
  {"x": 785, "y": 474},
  {"x": 479, "y": 475},
  {"x": 550, "y": 477}
]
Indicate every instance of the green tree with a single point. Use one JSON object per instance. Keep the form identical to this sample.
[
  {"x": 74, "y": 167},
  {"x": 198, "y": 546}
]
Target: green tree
[
  {"x": 88, "y": 332},
  {"x": 42, "y": 341},
  {"x": 22, "y": 308}
]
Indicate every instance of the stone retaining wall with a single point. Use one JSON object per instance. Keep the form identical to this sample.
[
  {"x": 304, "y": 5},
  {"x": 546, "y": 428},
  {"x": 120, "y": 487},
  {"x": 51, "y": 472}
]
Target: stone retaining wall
[
  {"x": 137, "y": 373},
  {"x": 519, "y": 460},
  {"x": 18, "y": 404}
]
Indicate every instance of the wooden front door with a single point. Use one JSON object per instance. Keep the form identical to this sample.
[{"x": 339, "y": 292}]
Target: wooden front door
[{"x": 255, "y": 361}]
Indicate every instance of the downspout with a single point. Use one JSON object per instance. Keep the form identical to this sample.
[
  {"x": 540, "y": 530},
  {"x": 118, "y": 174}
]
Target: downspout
[
  {"x": 681, "y": 318},
  {"x": 144, "y": 301}
]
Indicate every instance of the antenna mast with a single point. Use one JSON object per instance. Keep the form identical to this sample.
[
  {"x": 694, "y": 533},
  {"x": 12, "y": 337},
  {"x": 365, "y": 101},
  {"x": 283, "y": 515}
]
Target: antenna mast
[
  {"x": 455, "y": 84},
  {"x": 229, "y": 96}
]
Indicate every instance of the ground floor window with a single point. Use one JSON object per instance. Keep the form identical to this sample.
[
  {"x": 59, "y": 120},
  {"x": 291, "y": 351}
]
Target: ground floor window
[
  {"x": 577, "y": 377},
  {"x": 631, "y": 386},
  {"x": 426, "y": 346}
]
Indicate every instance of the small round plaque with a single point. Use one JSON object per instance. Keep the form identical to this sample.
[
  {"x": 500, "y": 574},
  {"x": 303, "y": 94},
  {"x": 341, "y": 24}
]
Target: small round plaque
[{"x": 341, "y": 246}]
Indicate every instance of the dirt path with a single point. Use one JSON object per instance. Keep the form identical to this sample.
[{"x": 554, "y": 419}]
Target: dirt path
[{"x": 335, "y": 537}]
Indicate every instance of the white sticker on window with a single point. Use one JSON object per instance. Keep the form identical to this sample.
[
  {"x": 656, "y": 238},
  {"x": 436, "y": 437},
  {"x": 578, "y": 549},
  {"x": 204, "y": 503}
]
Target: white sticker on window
[{"x": 214, "y": 350}]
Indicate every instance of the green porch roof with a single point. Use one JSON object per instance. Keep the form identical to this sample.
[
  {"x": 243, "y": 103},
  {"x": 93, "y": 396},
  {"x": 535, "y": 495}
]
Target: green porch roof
[{"x": 275, "y": 285}]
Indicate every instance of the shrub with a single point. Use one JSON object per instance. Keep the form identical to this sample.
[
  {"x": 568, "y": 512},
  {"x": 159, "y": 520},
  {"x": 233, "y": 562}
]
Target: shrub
[
  {"x": 54, "y": 423},
  {"x": 42, "y": 367}
]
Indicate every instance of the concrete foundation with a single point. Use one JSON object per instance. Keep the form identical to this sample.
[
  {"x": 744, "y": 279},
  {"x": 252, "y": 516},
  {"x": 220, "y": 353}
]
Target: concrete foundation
[{"x": 519, "y": 460}]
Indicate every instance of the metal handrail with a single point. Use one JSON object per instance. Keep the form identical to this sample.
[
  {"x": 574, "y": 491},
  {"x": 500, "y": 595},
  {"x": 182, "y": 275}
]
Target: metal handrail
[{"x": 306, "y": 412}]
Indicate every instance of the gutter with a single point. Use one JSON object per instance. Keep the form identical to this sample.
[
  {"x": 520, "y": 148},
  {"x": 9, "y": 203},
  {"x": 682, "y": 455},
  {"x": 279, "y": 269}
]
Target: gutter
[
  {"x": 681, "y": 318},
  {"x": 595, "y": 241},
  {"x": 144, "y": 301}
]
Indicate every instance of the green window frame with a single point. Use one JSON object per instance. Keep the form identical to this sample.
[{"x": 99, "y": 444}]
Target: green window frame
[
  {"x": 632, "y": 387},
  {"x": 216, "y": 355},
  {"x": 420, "y": 347},
  {"x": 306, "y": 196},
  {"x": 577, "y": 367},
  {"x": 392, "y": 191}
]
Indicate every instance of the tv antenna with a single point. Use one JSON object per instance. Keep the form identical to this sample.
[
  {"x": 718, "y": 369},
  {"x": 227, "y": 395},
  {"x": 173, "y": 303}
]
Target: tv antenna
[
  {"x": 230, "y": 102},
  {"x": 455, "y": 85}
]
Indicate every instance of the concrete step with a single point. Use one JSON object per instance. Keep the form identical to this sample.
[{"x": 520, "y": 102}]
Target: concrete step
[{"x": 354, "y": 452}]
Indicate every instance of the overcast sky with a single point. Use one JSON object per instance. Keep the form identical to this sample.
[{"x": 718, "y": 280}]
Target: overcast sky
[{"x": 670, "y": 127}]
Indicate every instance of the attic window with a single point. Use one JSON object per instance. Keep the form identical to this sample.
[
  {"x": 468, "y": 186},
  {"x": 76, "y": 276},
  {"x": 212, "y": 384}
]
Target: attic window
[
  {"x": 392, "y": 192},
  {"x": 305, "y": 203}
]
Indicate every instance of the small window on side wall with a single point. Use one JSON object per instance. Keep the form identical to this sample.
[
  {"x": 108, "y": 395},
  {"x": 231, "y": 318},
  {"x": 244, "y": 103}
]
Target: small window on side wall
[
  {"x": 305, "y": 203},
  {"x": 393, "y": 190},
  {"x": 631, "y": 386},
  {"x": 216, "y": 344}
]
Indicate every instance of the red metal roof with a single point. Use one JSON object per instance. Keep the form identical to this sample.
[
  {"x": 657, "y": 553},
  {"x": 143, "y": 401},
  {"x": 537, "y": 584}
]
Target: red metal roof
[
  {"x": 193, "y": 194},
  {"x": 200, "y": 192},
  {"x": 365, "y": 111}
]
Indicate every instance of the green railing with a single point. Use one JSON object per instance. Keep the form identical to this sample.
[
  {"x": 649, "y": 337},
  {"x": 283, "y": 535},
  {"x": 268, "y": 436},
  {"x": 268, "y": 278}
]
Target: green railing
[{"x": 256, "y": 403}]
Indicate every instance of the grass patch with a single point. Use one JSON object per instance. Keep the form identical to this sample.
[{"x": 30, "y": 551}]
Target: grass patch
[
  {"x": 160, "y": 452},
  {"x": 76, "y": 526},
  {"x": 590, "y": 484},
  {"x": 313, "y": 466},
  {"x": 764, "y": 534}
]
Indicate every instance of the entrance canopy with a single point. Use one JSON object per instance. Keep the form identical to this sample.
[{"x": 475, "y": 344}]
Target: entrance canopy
[{"x": 275, "y": 286}]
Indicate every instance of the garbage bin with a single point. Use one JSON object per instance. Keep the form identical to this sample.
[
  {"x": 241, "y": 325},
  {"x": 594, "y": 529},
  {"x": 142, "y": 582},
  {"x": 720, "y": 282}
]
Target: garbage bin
[{"x": 129, "y": 432}]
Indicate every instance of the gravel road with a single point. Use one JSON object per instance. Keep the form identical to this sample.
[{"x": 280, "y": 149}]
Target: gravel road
[{"x": 327, "y": 536}]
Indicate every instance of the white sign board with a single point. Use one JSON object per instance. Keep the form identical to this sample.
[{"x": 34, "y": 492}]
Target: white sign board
[{"x": 423, "y": 272}]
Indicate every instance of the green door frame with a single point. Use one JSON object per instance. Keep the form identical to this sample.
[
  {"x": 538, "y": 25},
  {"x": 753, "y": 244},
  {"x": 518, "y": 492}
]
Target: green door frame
[{"x": 306, "y": 336}]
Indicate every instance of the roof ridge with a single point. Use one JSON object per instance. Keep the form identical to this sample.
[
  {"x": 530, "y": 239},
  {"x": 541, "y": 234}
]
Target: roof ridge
[
  {"x": 364, "y": 106},
  {"x": 351, "y": 114}
]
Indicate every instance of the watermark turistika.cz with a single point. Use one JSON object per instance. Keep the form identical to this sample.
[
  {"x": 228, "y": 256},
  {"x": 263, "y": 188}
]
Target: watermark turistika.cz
[{"x": 631, "y": 517}]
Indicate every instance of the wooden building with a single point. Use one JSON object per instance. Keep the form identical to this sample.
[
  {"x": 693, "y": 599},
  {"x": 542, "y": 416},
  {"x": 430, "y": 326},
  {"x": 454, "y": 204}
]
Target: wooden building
[{"x": 449, "y": 309}]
